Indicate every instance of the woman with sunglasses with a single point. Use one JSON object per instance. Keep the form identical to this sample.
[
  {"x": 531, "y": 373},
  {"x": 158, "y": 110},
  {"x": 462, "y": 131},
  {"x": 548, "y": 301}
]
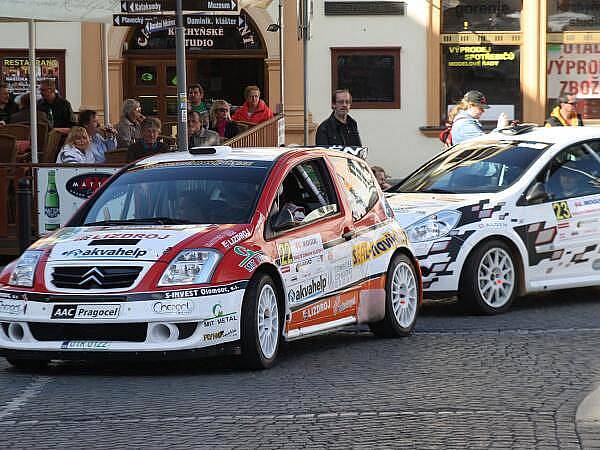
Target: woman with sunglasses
[
  {"x": 565, "y": 113},
  {"x": 220, "y": 120}
]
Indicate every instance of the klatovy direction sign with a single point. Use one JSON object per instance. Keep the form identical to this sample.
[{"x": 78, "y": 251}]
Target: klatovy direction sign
[{"x": 157, "y": 6}]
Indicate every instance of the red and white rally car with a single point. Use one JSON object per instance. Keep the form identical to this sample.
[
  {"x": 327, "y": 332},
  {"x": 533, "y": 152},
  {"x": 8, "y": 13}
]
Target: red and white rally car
[{"x": 213, "y": 250}]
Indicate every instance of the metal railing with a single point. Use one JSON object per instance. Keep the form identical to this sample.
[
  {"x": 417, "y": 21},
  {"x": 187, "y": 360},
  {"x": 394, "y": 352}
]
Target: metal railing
[{"x": 265, "y": 134}]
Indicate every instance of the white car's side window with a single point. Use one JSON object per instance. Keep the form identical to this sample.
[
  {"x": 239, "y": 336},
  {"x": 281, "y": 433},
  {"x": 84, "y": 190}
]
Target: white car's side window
[{"x": 574, "y": 172}]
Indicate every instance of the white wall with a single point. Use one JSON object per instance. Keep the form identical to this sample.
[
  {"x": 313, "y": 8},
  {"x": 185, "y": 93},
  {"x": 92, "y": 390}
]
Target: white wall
[
  {"x": 392, "y": 135},
  {"x": 59, "y": 35}
]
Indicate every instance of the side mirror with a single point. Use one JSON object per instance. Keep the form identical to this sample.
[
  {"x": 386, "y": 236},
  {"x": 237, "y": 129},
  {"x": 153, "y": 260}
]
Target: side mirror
[
  {"x": 536, "y": 194},
  {"x": 283, "y": 220}
]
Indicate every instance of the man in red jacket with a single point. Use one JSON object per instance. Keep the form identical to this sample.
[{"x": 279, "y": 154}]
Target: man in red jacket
[{"x": 254, "y": 110}]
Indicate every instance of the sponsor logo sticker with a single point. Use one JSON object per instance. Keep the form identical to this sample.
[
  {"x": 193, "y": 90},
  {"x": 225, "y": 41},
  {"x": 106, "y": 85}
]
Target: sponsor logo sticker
[
  {"x": 85, "y": 345},
  {"x": 238, "y": 237},
  {"x": 122, "y": 236},
  {"x": 202, "y": 292},
  {"x": 316, "y": 309},
  {"x": 85, "y": 184},
  {"x": 71, "y": 311},
  {"x": 12, "y": 307},
  {"x": 307, "y": 290},
  {"x": 105, "y": 253},
  {"x": 251, "y": 257},
  {"x": 365, "y": 251},
  {"x": 173, "y": 307}
]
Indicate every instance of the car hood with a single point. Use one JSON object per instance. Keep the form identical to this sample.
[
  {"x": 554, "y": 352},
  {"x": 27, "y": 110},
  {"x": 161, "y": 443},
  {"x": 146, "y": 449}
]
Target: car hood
[
  {"x": 411, "y": 207},
  {"x": 133, "y": 243}
]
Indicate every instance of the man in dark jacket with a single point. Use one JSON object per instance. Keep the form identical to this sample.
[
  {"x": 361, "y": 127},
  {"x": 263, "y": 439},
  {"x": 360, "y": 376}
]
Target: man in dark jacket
[
  {"x": 149, "y": 144},
  {"x": 565, "y": 113},
  {"x": 339, "y": 128},
  {"x": 58, "y": 109},
  {"x": 7, "y": 105}
]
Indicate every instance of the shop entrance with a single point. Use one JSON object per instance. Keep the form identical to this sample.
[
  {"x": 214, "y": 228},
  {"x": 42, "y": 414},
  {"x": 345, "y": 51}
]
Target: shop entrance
[{"x": 223, "y": 70}]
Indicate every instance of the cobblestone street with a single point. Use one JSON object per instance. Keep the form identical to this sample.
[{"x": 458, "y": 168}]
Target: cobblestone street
[{"x": 510, "y": 381}]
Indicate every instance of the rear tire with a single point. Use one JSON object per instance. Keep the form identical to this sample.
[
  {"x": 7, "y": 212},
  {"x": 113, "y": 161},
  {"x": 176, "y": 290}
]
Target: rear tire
[
  {"x": 490, "y": 277},
  {"x": 28, "y": 365},
  {"x": 261, "y": 324},
  {"x": 402, "y": 295}
]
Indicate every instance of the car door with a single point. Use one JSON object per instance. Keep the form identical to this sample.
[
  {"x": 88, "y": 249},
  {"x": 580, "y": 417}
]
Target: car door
[
  {"x": 307, "y": 221},
  {"x": 563, "y": 247}
]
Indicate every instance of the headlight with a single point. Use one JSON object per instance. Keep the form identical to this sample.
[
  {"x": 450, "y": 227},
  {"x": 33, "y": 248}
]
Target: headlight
[
  {"x": 433, "y": 226},
  {"x": 193, "y": 266},
  {"x": 24, "y": 271}
]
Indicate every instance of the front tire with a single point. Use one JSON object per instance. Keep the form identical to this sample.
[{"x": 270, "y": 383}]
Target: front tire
[
  {"x": 489, "y": 281},
  {"x": 402, "y": 294},
  {"x": 28, "y": 365},
  {"x": 261, "y": 324}
]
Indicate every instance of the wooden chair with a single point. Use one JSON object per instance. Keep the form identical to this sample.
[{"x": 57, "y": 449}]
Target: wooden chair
[
  {"x": 53, "y": 146},
  {"x": 8, "y": 149},
  {"x": 20, "y": 131},
  {"x": 118, "y": 156},
  {"x": 167, "y": 128}
]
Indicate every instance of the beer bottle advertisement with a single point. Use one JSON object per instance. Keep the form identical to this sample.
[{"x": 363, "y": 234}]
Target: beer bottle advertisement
[{"x": 52, "y": 204}]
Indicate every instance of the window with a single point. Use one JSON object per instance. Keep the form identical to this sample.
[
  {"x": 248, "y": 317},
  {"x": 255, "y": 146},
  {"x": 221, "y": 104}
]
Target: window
[
  {"x": 372, "y": 75},
  {"x": 305, "y": 195},
  {"x": 359, "y": 184},
  {"x": 145, "y": 76},
  {"x": 574, "y": 172},
  {"x": 491, "y": 69},
  {"x": 481, "y": 15},
  {"x": 575, "y": 69},
  {"x": 573, "y": 15}
]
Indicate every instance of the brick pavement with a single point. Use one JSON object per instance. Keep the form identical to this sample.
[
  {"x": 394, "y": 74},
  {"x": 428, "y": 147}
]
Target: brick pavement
[{"x": 512, "y": 381}]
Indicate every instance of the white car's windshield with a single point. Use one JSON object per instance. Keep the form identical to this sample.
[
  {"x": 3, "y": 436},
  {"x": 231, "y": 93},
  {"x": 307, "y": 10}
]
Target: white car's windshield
[
  {"x": 474, "y": 167},
  {"x": 196, "y": 192}
]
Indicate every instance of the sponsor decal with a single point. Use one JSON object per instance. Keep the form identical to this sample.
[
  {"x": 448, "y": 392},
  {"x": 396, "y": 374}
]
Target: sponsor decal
[
  {"x": 596, "y": 264},
  {"x": 85, "y": 311},
  {"x": 204, "y": 291},
  {"x": 219, "y": 334},
  {"x": 236, "y": 238},
  {"x": 341, "y": 273},
  {"x": 220, "y": 236},
  {"x": 85, "y": 345},
  {"x": 561, "y": 210},
  {"x": 586, "y": 206},
  {"x": 12, "y": 307},
  {"x": 173, "y": 307},
  {"x": 307, "y": 290},
  {"x": 13, "y": 296},
  {"x": 364, "y": 251},
  {"x": 251, "y": 257},
  {"x": 88, "y": 237},
  {"x": 85, "y": 184},
  {"x": 105, "y": 253},
  {"x": 285, "y": 254},
  {"x": 220, "y": 319},
  {"x": 316, "y": 309},
  {"x": 299, "y": 249},
  {"x": 343, "y": 304}
]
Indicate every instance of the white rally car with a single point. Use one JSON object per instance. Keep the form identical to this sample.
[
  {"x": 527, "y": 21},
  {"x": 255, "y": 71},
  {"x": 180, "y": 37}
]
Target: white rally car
[
  {"x": 509, "y": 213},
  {"x": 218, "y": 250}
]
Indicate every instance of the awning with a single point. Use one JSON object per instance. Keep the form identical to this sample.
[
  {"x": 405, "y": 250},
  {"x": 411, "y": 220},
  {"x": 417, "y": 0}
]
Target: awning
[{"x": 62, "y": 11}]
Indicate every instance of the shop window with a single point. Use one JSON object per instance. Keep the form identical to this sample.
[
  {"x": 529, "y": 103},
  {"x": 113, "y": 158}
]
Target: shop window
[
  {"x": 489, "y": 68},
  {"x": 372, "y": 75},
  {"x": 573, "y": 15},
  {"x": 481, "y": 15},
  {"x": 574, "y": 69},
  {"x": 145, "y": 76},
  {"x": 149, "y": 104}
]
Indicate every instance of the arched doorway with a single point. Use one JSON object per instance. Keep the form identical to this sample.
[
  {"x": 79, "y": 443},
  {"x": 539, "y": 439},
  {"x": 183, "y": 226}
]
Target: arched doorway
[{"x": 223, "y": 64}]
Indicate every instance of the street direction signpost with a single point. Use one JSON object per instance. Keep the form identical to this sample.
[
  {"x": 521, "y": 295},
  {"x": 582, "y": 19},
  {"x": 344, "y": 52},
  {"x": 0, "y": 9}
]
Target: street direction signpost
[{"x": 157, "y": 6}]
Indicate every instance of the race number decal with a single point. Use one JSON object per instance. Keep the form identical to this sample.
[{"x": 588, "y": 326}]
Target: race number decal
[
  {"x": 561, "y": 210},
  {"x": 285, "y": 254}
]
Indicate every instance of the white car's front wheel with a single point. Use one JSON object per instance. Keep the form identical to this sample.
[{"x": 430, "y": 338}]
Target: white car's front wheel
[{"x": 490, "y": 278}]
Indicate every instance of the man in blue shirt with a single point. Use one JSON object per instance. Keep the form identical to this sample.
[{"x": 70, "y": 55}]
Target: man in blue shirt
[{"x": 100, "y": 145}]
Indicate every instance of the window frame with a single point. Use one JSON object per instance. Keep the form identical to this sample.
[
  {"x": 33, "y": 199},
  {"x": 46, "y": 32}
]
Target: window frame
[
  {"x": 270, "y": 234},
  {"x": 395, "y": 52}
]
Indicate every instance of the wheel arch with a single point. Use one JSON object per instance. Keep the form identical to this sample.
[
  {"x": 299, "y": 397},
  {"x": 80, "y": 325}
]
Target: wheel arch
[
  {"x": 406, "y": 252},
  {"x": 271, "y": 270},
  {"x": 516, "y": 253}
]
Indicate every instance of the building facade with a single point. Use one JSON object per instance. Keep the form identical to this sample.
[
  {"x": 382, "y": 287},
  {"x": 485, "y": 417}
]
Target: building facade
[{"x": 405, "y": 62}]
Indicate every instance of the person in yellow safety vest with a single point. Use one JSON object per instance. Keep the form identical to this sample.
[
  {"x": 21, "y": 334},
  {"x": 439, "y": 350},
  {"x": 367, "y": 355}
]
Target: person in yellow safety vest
[{"x": 565, "y": 113}]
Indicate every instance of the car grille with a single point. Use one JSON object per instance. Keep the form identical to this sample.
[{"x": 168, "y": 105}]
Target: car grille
[
  {"x": 93, "y": 277},
  {"x": 128, "y": 332}
]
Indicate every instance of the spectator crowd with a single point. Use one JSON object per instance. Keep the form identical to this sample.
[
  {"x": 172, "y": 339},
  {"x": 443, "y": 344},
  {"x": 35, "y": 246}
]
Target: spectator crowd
[{"x": 84, "y": 141}]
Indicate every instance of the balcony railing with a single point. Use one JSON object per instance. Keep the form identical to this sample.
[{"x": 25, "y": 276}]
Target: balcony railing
[{"x": 265, "y": 134}]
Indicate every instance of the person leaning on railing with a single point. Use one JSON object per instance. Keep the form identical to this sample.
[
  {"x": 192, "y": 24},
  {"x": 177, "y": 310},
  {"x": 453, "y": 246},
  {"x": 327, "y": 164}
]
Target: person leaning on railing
[
  {"x": 220, "y": 120},
  {"x": 254, "y": 110}
]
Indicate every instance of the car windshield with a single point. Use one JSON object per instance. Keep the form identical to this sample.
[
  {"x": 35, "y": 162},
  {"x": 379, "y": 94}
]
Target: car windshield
[
  {"x": 196, "y": 192},
  {"x": 474, "y": 167}
]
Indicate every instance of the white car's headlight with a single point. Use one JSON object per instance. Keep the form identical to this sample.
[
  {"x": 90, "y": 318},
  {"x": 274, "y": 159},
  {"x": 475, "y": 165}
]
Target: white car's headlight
[
  {"x": 24, "y": 271},
  {"x": 432, "y": 227},
  {"x": 192, "y": 266}
]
